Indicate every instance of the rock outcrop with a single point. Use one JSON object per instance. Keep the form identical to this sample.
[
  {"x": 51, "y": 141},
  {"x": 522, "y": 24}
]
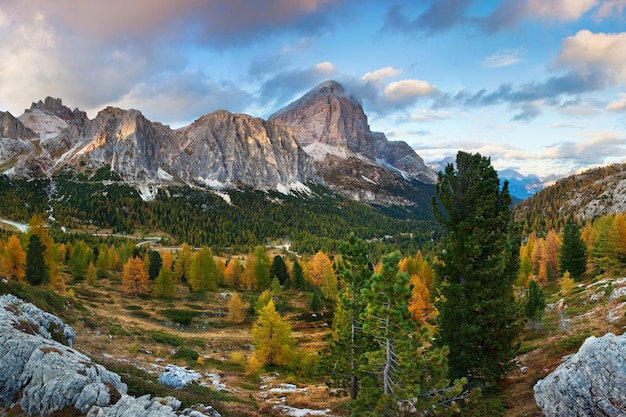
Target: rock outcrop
[
  {"x": 591, "y": 382},
  {"x": 56, "y": 107},
  {"x": 41, "y": 374}
]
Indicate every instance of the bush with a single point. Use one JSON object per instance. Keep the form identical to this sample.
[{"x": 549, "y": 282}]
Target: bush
[
  {"x": 168, "y": 339},
  {"x": 186, "y": 353},
  {"x": 182, "y": 317}
]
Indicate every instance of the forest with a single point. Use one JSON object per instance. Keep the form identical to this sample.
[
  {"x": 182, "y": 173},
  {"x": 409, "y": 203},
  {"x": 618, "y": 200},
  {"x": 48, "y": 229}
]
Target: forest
[{"x": 403, "y": 336}]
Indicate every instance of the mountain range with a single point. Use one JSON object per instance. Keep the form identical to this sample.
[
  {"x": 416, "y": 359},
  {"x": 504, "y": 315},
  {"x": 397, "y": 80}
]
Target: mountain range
[{"x": 322, "y": 138}]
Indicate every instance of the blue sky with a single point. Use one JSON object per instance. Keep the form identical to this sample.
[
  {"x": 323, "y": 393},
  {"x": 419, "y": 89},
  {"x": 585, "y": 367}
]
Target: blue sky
[{"x": 538, "y": 85}]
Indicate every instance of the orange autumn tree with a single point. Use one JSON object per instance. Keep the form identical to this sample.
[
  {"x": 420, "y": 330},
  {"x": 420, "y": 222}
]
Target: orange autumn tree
[
  {"x": 135, "y": 278},
  {"x": 421, "y": 277},
  {"x": 13, "y": 258},
  {"x": 322, "y": 275}
]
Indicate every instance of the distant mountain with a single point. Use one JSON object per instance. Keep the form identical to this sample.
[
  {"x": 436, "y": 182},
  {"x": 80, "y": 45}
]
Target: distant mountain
[{"x": 520, "y": 186}]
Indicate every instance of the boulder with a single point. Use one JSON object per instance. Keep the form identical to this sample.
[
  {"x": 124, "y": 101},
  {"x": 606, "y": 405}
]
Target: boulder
[
  {"x": 43, "y": 375},
  {"x": 592, "y": 382},
  {"x": 176, "y": 377}
]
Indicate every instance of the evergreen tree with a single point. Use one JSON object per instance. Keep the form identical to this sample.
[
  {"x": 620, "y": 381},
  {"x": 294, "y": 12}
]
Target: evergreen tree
[
  {"x": 271, "y": 337},
  {"x": 154, "y": 265},
  {"x": 297, "y": 274},
  {"x": 36, "y": 269},
  {"x": 316, "y": 302},
  {"x": 401, "y": 371},
  {"x": 573, "y": 256},
  {"x": 478, "y": 315},
  {"x": 346, "y": 342},
  {"x": 279, "y": 269},
  {"x": 535, "y": 304}
]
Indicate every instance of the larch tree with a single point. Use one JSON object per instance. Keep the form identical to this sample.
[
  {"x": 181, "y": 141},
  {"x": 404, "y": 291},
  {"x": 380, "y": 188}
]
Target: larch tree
[
  {"x": 164, "y": 283},
  {"x": 262, "y": 264},
  {"x": 345, "y": 340},
  {"x": 236, "y": 313},
  {"x": 37, "y": 272},
  {"x": 402, "y": 372},
  {"x": 184, "y": 264},
  {"x": 271, "y": 337},
  {"x": 13, "y": 259},
  {"x": 479, "y": 319},
  {"x": 573, "y": 256},
  {"x": 135, "y": 279},
  {"x": 232, "y": 273},
  {"x": 204, "y": 271}
]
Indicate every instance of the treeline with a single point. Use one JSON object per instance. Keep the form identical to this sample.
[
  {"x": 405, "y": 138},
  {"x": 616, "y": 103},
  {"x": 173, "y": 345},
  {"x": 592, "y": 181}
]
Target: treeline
[{"x": 202, "y": 218}]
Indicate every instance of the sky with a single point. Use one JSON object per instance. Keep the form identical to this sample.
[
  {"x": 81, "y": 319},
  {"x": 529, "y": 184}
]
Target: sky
[{"x": 537, "y": 85}]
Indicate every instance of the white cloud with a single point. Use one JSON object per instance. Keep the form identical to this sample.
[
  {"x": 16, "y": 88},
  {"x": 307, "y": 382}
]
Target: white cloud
[
  {"x": 503, "y": 58},
  {"x": 324, "y": 68},
  {"x": 565, "y": 10},
  {"x": 610, "y": 8},
  {"x": 406, "y": 91},
  {"x": 428, "y": 115},
  {"x": 593, "y": 54},
  {"x": 376, "y": 77},
  {"x": 618, "y": 106}
]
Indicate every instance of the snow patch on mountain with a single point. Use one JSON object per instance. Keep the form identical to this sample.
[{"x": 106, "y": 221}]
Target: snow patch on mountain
[
  {"x": 211, "y": 183},
  {"x": 147, "y": 192},
  {"x": 296, "y": 186}
]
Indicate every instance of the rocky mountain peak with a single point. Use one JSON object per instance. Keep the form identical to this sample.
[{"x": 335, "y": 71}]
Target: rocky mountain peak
[
  {"x": 330, "y": 116},
  {"x": 55, "y": 106},
  {"x": 12, "y": 127}
]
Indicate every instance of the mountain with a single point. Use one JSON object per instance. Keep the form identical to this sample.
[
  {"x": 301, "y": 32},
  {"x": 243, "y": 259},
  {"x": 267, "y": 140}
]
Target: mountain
[
  {"x": 329, "y": 121},
  {"x": 322, "y": 138},
  {"x": 584, "y": 196}
]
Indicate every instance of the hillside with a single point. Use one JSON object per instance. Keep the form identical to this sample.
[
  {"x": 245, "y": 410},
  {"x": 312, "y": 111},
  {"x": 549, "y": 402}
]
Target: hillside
[{"x": 580, "y": 197}]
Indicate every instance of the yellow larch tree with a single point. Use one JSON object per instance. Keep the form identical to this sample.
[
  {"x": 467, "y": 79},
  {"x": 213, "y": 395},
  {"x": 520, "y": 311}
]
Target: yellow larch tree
[
  {"x": 13, "y": 258},
  {"x": 135, "y": 278},
  {"x": 271, "y": 337},
  {"x": 236, "y": 309}
]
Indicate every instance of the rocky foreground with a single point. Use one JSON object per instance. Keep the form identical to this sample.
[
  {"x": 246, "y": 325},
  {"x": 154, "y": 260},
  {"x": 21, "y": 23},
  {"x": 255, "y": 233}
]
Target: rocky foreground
[{"x": 41, "y": 374}]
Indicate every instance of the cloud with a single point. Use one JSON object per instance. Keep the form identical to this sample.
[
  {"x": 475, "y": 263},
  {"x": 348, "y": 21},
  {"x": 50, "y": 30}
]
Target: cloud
[
  {"x": 376, "y": 77},
  {"x": 213, "y": 22},
  {"x": 509, "y": 14},
  {"x": 440, "y": 16},
  {"x": 180, "y": 98},
  {"x": 598, "y": 149},
  {"x": 594, "y": 54},
  {"x": 610, "y": 8},
  {"x": 529, "y": 112},
  {"x": 618, "y": 106},
  {"x": 503, "y": 58},
  {"x": 283, "y": 86},
  {"x": 407, "y": 91}
]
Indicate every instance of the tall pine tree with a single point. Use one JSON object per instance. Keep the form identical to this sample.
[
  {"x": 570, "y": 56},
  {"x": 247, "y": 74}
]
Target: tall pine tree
[
  {"x": 478, "y": 315},
  {"x": 36, "y": 269},
  {"x": 346, "y": 342},
  {"x": 573, "y": 256}
]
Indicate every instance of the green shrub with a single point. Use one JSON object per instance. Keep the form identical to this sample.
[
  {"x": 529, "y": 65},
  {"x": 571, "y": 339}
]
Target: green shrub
[
  {"x": 182, "y": 317},
  {"x": 186, "y": 353},
  {"x": 168, "y": 339}
]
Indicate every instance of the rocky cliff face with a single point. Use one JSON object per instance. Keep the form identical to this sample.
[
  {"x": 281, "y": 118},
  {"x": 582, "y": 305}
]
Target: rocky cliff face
[
  {"x": 328, "y": 115},
  {"x": 592, "y": 382},
  {"x": 222, "y": 148}
]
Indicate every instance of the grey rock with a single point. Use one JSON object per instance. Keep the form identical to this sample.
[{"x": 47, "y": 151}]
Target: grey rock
[
  {"x": 41, "y": 374},
  {"x": 176, "y": 377},
  {"x": 590, "y": 383}
]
